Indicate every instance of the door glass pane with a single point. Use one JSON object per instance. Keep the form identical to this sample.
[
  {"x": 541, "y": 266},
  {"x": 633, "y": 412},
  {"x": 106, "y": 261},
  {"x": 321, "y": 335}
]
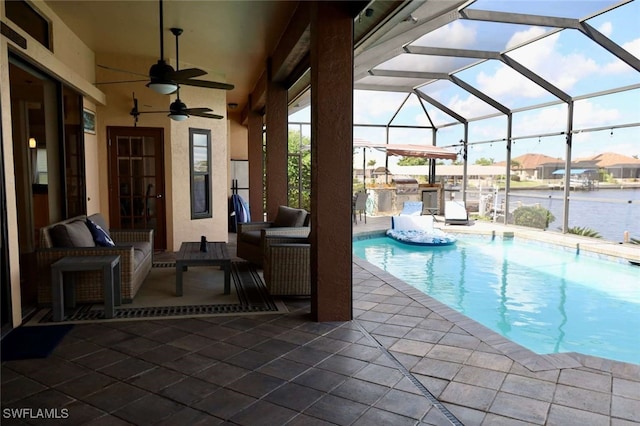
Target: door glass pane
[
  {"x": 149, "y": 166},
  {"x": 137, "y": 168},
  {"x": 149, "y": 146},
  {"x": 150, "y": 186},
  {"x": 136, "y": 147},
  {"x": 123, "y": 147},
  {"x": 125, "y": 197},
  {"x": 123, "y": 167}
]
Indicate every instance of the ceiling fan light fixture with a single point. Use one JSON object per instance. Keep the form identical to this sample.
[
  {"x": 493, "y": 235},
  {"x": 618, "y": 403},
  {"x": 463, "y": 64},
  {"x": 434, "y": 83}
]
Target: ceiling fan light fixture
[
  {"x": 163, "y": 88},
  {"x": 177, "y": 110},
  {"x": 178, "y": 116}
]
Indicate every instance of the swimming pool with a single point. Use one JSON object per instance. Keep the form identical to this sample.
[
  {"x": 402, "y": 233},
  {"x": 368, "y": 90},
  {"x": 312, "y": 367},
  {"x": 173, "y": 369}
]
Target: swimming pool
[{"x": 544, "y": 298}]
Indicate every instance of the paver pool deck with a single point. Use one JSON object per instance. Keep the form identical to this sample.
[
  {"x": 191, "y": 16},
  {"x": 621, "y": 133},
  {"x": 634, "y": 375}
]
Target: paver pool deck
[{"x": 404, "y": 359}]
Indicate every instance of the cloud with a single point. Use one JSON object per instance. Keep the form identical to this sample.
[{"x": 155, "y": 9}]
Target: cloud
[
  {"x": 633, "y": 47},
  {"x": 589, "y": 114},
  {"x": 524, "y": 36},
  {"x": 470, "y": 106},
  {"x": 618, "y": 66},
  {"x": 506, "y": 84},
  {"x": 370, "y": 106},
  {"x": 606, "y": 28},
  {"x": 545, "y": 59},
  {"x": 455, "y": 34}
]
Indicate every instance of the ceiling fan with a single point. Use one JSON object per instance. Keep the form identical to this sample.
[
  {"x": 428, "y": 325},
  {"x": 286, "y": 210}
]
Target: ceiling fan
[
  {"x": 164, "y": 79},
  {"x": 178, "y": 110},
  {"x": 198, "y": 112}
]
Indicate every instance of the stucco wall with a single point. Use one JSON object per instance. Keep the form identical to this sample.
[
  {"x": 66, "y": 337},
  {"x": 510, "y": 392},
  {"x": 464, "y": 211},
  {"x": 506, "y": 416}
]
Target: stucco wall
[
  {"x": 238, "y": 149},
  {"x": 214, "y": 228}
]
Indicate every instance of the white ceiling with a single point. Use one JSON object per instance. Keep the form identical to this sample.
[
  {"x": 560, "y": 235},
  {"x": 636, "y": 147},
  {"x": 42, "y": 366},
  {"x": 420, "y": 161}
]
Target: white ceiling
[{"x": 227, "y": 38}]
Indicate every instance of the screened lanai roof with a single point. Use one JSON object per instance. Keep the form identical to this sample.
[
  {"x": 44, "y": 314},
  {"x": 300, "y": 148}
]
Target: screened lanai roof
[{"x": 461, "y": 61}]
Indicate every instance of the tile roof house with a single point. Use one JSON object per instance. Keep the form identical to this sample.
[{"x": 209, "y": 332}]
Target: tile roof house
[
  {"x": 617, "y": 165},
  {"x": 533, "y": 166}
]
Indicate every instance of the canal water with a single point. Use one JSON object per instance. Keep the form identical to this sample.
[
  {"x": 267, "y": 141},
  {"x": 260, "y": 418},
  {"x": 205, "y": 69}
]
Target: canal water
[{"x": 610, "y": 212}]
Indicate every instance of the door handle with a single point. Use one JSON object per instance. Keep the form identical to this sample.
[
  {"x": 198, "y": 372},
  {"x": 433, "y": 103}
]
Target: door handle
[{"x": 159, "y": 196}]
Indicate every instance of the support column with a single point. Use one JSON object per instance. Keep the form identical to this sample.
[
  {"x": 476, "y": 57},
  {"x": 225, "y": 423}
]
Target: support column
[
  {"x": 331, "y": 156},
  {"x": 507, "y": 184},
  {"x": 567, "y": 169},
  {"x": 256, "y": 164},
  {"x": 465, "y": 165},
  {"x": 277, "y": 146}
]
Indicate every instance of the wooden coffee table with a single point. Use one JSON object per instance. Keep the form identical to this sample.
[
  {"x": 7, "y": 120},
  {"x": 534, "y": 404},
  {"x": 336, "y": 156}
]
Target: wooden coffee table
[{"x": 190, "y": 255}]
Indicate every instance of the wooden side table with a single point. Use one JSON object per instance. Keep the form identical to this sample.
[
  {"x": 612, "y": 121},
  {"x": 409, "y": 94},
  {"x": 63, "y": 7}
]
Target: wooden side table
[{"x": 63, "y": 289}]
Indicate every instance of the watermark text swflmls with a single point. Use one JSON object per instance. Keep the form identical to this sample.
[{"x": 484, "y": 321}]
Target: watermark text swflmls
[{"x": 35, "y": 413}]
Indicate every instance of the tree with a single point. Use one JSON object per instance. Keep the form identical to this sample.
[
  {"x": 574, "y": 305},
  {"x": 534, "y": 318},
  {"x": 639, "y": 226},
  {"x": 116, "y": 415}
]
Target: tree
[
  {"x": 299, "y": 171},
  {"x": 413, "y": 161},
  {"x": 484, "y": 161},
  {"x": 584, "y": 231},
  {"x": 372, "y": 164}
]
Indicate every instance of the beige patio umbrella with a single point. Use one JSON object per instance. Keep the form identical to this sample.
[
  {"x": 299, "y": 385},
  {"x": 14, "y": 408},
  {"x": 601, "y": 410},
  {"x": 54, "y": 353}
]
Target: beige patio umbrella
[
  {"x": 431, "y": 152},
  {"x": 408, "y": 150}
]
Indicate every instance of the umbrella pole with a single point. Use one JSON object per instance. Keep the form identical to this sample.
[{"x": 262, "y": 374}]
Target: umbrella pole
[{"x": 364, "y": 168}]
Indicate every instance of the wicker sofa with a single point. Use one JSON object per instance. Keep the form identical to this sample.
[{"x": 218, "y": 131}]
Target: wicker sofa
[
  {"x": 251, "y": 235},
  {"x": 287, "y": 265},
  {"x": 69, "y": 238}
]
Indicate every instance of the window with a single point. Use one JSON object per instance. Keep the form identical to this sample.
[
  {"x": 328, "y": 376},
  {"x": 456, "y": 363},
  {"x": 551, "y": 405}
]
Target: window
[
  {"x": 27, "y": 18},
  {"x": 200, "y": 154}
]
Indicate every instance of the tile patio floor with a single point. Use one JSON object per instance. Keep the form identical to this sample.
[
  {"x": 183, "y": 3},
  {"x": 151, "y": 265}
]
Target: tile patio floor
[{"x": 404, "y": 360}]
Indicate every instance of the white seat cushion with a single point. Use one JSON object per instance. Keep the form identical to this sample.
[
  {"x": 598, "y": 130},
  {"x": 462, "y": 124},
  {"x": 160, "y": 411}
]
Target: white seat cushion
[{"x": 412, "y": 223}]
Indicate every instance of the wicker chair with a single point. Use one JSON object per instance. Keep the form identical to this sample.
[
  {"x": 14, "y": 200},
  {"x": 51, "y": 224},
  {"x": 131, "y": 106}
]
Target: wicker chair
[
  {"x": 287, "y": 266},
  {"x": 360, "y": 206},
  {"x": 288, "y": 222}
]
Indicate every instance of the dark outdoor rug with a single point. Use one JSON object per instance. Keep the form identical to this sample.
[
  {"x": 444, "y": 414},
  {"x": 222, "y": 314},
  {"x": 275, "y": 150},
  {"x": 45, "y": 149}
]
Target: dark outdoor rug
[
  {"x": 252, "y": 295},
  {"x": 32, "y": 342}
]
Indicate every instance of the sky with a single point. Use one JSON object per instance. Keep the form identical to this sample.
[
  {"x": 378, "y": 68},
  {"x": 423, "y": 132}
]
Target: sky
[{"x": 567, "y": 59}]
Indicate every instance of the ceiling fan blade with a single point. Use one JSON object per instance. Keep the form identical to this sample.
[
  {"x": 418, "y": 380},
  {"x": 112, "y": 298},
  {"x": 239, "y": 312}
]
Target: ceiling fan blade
[
  {"x": 206, "y": 83},
  {"x": 187, "y": 73},
  {"x": 197, "y": 110},
  {"x": 205, "y": 115},
  {"x": 120, "y": 70},
  {"x": 97, "y": 83}
]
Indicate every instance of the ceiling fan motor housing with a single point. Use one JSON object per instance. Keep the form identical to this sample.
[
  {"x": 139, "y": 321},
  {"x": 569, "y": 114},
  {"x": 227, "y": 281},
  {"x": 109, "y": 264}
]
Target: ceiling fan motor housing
[
  {"x": 177, "y": 106},
  {"x": 159, "y": 75}
]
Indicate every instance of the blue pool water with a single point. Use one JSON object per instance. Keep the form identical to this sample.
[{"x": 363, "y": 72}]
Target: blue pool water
[{"x": 547, "y": 299}]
